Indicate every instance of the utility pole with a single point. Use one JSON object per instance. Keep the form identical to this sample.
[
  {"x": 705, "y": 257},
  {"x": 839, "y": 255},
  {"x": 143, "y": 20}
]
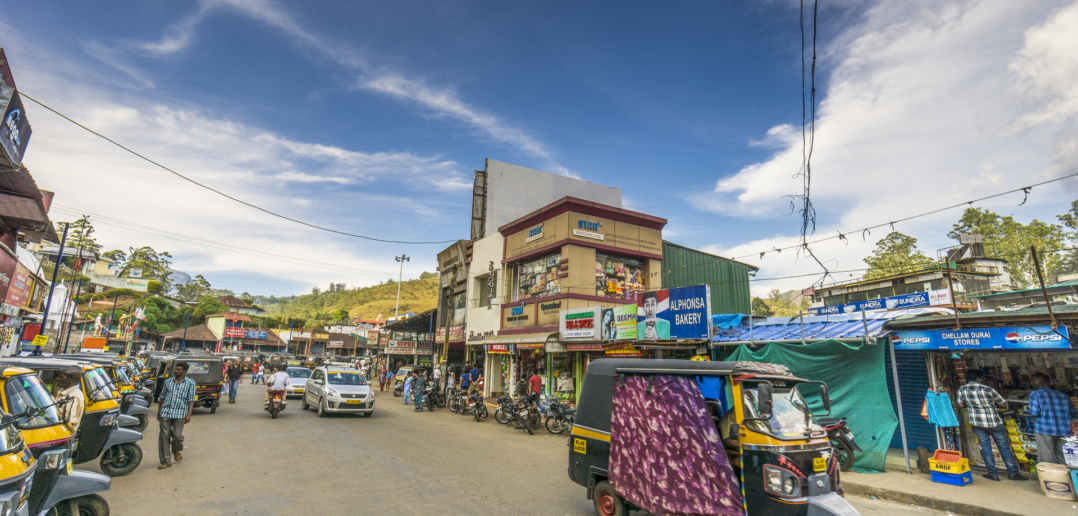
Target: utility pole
[
  {"x": 55, "y": 272},
  {"x": 183, "y": 343},
  {"x": 1044, "y": 291},
  {"x": 108, "y": 331},
  {"x": 402, "y": 258},
  {"x": 87, "y": 230}
]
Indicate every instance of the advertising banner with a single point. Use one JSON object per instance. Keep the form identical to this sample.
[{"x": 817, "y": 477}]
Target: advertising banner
[
  {"x": 624, "y": 350},
  {"x": 677, "y": 313},
  {"x": 254, "y": 334},
  {"x": 1023, "y": 337},
  {"x": 18, "y": 292},
  {"x": 383, "y": 340},
  {"x": 915, "y": 300},
  {"x": 499, "y": 349},
  {"x": 580, "y": 323},
  {"x": 583, "y": 346},
  {"x": 14, "y": 127},
  {"x": 619, "y": 323},
  {"x": 235, "y": 333},
  {"x": 408, "y": 347}
]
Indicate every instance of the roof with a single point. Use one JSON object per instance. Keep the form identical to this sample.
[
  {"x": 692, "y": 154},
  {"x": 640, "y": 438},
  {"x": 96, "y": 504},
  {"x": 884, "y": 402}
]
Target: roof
[
  {"x": 750, "y": 266},
  {"x": 819, "y": 327},
  {"x": 23, "y": 207},
  {"x": 1062, "y": 287},
  {"x": 577, "y": 205},
  {"x": 235, "y": 302},
  {"x": 348, "y": 339},
  {"x": 200, "y": 332},
  {"x": 419, "y": 323},
  {"x": 992, "y": 317},
  {"x": 231, "y": 316}
]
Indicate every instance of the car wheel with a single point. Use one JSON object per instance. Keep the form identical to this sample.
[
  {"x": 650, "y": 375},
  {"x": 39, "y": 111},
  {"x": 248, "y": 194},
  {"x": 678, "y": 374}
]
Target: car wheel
[
  {"x": 322, "y": 408},
  {"x": 303, "y": 402},
  {"x": 368, "y": 414}
]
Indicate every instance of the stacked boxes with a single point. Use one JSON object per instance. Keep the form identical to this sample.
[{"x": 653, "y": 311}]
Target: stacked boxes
[{"x": 948, "y": 467}]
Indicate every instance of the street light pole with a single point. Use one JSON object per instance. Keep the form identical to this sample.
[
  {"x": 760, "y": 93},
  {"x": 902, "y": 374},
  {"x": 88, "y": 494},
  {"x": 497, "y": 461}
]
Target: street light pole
[
  {"x": 55, "y": 272},
  {"x": 183, "y": 343},
  {"x": 402, "y": 258}
]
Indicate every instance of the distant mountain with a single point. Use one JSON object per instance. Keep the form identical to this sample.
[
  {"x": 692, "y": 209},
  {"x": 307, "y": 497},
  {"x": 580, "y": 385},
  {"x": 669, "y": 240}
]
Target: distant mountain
[{"x": 364, "y": 303}]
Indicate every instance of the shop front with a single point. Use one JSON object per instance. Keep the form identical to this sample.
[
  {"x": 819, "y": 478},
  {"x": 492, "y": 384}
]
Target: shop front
[
  {"x": 403, "y": 352},
  {"x": 1008, "y": 356},
  {"x": 510, "y": 359}
]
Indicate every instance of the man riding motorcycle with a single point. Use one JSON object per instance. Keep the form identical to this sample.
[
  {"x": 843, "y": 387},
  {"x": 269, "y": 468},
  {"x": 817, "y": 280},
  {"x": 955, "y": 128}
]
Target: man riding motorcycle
[{"x": 276, "y": 382}]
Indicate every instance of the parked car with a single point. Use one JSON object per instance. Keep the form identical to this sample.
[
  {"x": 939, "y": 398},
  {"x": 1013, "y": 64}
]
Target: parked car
[
  {"x": 297, "y": 380},
  {"x": 338, "y": 389}
]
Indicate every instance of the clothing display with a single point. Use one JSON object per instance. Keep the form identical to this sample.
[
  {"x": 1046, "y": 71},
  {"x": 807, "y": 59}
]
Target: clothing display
[{"x": 940, "y": 411}]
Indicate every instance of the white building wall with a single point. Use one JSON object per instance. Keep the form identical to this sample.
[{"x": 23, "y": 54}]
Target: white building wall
[{"x": 486, "y": 252}]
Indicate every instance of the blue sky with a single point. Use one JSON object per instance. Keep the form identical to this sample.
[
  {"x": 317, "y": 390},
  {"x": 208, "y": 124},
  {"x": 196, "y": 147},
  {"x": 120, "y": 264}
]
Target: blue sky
[{"x": 370, "y": 118}]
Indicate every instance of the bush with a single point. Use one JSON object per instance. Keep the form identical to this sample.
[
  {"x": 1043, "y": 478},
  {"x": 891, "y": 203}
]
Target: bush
[{"x": 155, "y": 287}]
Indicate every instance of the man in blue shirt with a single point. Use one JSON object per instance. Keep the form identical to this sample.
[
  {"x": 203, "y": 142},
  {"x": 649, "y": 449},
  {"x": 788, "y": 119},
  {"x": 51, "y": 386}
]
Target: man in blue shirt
[
  {"x": 174, "y": 411},
  {"x": 466, "y": 378},
  {"x": 1052, "y": 412},
  {"x": 474, "y": 376}
]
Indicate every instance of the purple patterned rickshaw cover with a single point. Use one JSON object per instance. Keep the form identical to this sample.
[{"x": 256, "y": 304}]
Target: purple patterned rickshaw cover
[{"x": 666, "y": 456}]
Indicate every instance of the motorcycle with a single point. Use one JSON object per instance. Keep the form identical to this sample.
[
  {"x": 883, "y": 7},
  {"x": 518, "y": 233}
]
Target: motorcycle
[
  {"x": 455, "y": 403},
  {"x": 841, "y": 440},
  {"x": 505, "y": 413},
  {"x": 559, "y": 418},
  {"x": 276, "y": 403},
  {"x": 477, "y": 407},
  {"x": 432, "y": 396},
  {"x": 527, "y": 412}
]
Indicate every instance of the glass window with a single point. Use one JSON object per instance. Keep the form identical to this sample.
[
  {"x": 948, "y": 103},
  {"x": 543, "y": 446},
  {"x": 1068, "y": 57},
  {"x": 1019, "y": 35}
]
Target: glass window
[
  {"x": 539, "y": 278},
  {"x": 618, "y": 277},
  {"x": 200, "y": 367},
  {"x": 787, "y": 414},
  {"x": 98, "y": 384},
  {"x": 28, "y": 392},
  {"x": 342, "y": 378},
  {"x": 299, "y": 372}
]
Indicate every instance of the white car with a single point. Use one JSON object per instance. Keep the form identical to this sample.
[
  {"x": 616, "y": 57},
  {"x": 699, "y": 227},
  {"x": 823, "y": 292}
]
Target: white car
[
  {"x": 297, "y": 381},
  {"x": 338, "y": 388}
]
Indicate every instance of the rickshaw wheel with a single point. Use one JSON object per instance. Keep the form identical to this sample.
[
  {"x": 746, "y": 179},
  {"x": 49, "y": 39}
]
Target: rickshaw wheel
[
  {"x": 607, "y": 502},
  {"x": 121, "y": 459},
  {"x": 93, "y": 505},
  {"x": 143, "y": 422}
]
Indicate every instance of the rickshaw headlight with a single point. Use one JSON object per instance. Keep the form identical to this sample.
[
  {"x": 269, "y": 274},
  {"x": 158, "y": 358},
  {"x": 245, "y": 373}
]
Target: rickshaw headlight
[
  {"x": 781, "y": 482},
  {"x": 53, "y": 459},
  {"x": 108, "y": 420}
]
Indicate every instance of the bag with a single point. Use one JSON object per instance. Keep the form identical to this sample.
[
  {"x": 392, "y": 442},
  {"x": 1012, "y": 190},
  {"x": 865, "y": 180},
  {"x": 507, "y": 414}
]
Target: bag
[
  {"x": 224, "y": 388},
  {"x": 924, "y": 409}
]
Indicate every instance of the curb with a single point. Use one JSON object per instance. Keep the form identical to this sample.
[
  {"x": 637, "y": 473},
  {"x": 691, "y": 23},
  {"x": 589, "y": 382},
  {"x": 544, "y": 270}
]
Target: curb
[{"x": 964, "y": 509}]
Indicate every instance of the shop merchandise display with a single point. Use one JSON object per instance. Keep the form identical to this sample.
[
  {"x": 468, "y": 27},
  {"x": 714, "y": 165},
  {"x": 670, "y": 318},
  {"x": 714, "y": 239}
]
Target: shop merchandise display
[
  {"x": 940, "y": 411},
  {"x": 618, "y": 277},
  {"x": 539, "y": 278}
]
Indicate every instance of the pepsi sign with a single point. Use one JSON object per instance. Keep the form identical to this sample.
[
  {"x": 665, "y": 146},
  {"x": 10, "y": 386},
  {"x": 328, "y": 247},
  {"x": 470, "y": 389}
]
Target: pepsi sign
[{"x": 1022, "y": 337}]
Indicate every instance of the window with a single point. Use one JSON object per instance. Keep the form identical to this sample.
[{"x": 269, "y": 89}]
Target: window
[
  {"x": 25, "y": 392},
  {"x": 618, "y": 277},
  {"x": 539, "y": 278}
]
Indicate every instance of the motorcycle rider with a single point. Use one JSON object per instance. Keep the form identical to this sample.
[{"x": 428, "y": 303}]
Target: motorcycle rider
[{"x": 276, "y": 382}]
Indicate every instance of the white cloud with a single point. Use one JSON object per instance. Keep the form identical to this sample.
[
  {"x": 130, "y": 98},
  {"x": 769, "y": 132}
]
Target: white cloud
[{"x": 783, "y": 135}]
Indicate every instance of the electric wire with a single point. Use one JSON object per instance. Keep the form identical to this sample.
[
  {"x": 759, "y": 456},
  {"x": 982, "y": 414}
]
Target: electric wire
[{"x": 218, "y": 192}]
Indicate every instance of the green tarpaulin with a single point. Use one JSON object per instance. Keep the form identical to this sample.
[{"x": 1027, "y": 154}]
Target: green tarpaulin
[{"x": 857, "y": 385}]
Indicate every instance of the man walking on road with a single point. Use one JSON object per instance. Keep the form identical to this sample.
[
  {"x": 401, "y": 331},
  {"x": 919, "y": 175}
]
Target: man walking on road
[
  {"x": 417, "y": 391},
  {"x": 982, "y": 401},
  {"x": 256, "y": 373},
  {"x": 173, "y": 412},
  {"x": 1052, "y": 412},
  {"x": 235, "y": 372}
]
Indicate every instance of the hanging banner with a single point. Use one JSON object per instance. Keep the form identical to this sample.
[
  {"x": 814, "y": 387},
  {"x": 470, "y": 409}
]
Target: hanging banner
[
  {"x": 14, "y": 127},
  {"x": 619, "y": 323},
  {"x": 1023, "y": 337},
  {"x": 235, "y": 333},
  {"x": 499, "y": 349},
  {"x": 677, "y": 313},
  {"x": 915, "y": 300},
  {"x": 580, "y": 323}
]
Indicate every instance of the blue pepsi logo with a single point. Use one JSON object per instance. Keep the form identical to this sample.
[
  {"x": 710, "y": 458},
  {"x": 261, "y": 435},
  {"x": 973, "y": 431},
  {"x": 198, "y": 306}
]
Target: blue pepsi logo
[{"x": 1013, "y": 338}]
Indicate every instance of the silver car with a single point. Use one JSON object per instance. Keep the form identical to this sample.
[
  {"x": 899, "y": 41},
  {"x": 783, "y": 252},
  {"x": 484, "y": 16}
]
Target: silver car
[
  {"x": 338, "y": 388},
  {"x": 297, "y": 381}
]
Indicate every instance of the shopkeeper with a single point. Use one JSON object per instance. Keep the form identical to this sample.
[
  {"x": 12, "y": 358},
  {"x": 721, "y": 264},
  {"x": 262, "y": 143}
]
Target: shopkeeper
[{"x": 1052, "y": 413}]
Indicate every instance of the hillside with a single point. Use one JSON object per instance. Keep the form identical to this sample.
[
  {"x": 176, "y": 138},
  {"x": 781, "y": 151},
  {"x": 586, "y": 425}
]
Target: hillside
[{"x": 363, "y": 303}]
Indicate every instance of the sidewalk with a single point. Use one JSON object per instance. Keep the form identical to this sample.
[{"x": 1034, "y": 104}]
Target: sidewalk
[{"x": 981, "y": 498}]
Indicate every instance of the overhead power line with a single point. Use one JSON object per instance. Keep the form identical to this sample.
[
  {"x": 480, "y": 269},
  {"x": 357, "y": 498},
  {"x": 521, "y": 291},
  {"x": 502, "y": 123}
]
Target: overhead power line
[{"x": 218, "y": 192}]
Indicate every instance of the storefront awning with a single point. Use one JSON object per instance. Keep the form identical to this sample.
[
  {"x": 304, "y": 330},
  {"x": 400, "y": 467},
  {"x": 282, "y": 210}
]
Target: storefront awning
[{"x": 536, "y": 340}]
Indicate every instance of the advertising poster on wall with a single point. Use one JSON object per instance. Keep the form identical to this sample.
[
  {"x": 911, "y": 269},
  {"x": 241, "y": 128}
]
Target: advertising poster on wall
[
  {"x": 580, "y": 323},
  {"x": 619, "y": 323},
  {"x": 677, "y": 313},
  {"x": 18, "y": 293}
]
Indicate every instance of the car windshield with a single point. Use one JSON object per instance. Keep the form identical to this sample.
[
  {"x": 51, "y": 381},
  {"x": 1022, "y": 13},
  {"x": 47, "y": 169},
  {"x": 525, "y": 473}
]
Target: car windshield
[
  {"x": 345, "y": 378},
  {"x": 299, "y": 372},
  {"x": 98, "y": 384},
  {"x": 787, "y": 414},
  {"x": 26, "y": 392}
]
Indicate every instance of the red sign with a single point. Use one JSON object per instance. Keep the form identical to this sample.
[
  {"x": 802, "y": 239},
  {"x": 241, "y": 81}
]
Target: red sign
[
  {"x": 235, "y": 332},
  {"x": 456, "y": 333},
  {"x": 18, "y": 292},
  {"x": 502, "y": 349},
  {"x": 8, "y": 265}
]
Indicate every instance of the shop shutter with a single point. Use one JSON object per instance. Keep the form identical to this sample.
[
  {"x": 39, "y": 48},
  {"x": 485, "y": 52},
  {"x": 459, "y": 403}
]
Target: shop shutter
[{"x": 913, "y": 382}]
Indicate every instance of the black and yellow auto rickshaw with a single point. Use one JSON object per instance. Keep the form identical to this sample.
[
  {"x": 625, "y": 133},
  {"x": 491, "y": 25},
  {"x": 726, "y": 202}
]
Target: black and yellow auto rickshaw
[
  {"x": 100, "y": 433},
  {"x": 39, "y": 419},
  {"x": 207, "y": 371},
  {"x": 313, "y": 361},
  {"x": 275, "y": 360},
  {"x": 134, "y": 400},
  {"x": 17, "y": 466},
  {"x": 648, "y": 436},
  {"x": 248, "y": 359}
]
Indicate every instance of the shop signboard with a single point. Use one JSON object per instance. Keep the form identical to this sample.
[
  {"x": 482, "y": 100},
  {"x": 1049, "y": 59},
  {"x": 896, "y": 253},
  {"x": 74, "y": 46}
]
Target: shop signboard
[
  {"x": 499, "y": 349},
  {"x": 254, "y": 334},
  {"x": 456, "y": 333},
  {"x": 335, "y": 344},
  {"x": 407, "y": 347},
  {"x": 624, "y": 350},
  {"x": 619, "y": 322},
  {"x": 677, "y": 313},
  {"x": 14, "y": 127},
  {"x": 235, "y": 333},
  {"x": 383, "y": 340},
  {"x": 583, "y": 346},
  {"x": 1021, "y": 337},
  {"x": 18, "y": 292},
  {"x": 8, "y": 266},
  {"x": 915, "y": 300},
  {"x": 517, "y": 316},
  {"x": 581, "y": 324}
]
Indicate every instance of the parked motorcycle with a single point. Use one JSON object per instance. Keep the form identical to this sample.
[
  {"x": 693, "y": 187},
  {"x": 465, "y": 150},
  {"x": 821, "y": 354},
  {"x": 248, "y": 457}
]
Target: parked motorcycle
[
  {"x": 841, "y": 440},
  {"x": 505, "y": 413},
  {"x": 276, "y": 403},
  {"x": 477, "y": 407},
  {"x": 432, "y": 396},
  {"x": 455, "y": 402},
  {"x": 560, "y": 418},
  {"x": 527, "y": 412}
]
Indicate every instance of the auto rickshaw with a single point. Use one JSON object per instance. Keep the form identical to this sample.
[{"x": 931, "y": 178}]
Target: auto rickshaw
[
  {"x": 313, "y": 361},
  {"x": 275, "y": 360},
  {"x": 207, "y": 371},
  {"x": 38, "y": 417},
  {"x": 17, "y": 466},
  {"x": 636, "y": 418},
  {"x": 100, "y": 433},
  {"x": 247, "y": 360},
  {"x": 134, "y": 400}
]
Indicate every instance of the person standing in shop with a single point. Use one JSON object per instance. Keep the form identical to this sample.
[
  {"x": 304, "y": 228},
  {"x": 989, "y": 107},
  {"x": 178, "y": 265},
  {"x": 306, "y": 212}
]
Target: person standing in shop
[
  {"x": 982, "y": 403},
  {"x": 1052, "y": 413}
]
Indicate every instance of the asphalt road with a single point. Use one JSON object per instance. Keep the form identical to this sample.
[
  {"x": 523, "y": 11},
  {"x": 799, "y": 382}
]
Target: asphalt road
[{"x": 398, "y": 462}]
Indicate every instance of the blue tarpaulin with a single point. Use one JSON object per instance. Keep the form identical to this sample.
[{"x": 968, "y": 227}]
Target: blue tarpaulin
[{"x": 727, "y": 321}]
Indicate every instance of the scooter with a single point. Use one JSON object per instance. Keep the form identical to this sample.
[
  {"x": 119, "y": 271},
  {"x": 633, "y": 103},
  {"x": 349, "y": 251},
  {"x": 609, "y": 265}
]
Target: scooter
[
  {"x": 276, "y": 403},
  {"x": 841, "y": 440}
]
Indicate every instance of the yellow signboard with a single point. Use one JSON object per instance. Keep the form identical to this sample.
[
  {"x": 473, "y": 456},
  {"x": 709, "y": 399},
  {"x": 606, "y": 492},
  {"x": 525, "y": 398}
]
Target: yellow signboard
[{"x": 40, "y": 340}]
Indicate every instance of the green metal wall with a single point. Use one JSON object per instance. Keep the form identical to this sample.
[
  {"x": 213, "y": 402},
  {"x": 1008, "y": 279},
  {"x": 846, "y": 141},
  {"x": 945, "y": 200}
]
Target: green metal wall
[{"x": 729, "y": 280}]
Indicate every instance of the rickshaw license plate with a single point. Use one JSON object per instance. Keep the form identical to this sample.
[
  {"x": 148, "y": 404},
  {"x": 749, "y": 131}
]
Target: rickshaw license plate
[
  {"x": 69, "y": 466},
  {"x": 580, "y": 445},
  {"x": 819, "y": 464},
  {"x": 354, "y": 402}
]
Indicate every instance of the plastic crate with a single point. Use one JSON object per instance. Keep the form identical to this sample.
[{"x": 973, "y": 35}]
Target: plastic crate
[
  {"x": 954, "y": 468},
  {"x": 954, "y": 480},
  {"x": 947, "y": 456}
]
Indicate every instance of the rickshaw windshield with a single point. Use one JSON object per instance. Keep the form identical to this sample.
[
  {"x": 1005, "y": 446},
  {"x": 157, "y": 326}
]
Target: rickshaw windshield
[
  {"x": 98, "y": 384},
  {"x": 26, "y": 392},
  {"x": 787, "y": 414},
  {"x": 121, "y": 375},
  {"x": 339, "y": 378}
]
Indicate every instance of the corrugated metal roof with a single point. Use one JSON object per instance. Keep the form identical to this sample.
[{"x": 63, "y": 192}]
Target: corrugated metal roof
[
  {"x": 1069, "y": 312},
  {"x": 841, "y": 326}
]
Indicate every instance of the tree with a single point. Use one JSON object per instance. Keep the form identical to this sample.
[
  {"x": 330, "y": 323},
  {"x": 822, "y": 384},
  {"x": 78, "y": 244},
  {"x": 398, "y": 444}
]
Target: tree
[
  {"x": 424, "y": 275},
  {"x": 315, "y": 291},
  {"x": 197, "y": 288},
  {"x": 115, "y": 255},
  {"x": 80, "y": 235},
  {"x": 1010, "y": 240},
  {"x": 341, "y": 315},
  {"x": 760, "y": 307},
  {"x": 1070, "y": 225},
  {"x": 153, "y": 264},
  {"x": 894, "y": 253},
  {"x": 209, "y": 306},
  {"x": 155, "y": 287}
]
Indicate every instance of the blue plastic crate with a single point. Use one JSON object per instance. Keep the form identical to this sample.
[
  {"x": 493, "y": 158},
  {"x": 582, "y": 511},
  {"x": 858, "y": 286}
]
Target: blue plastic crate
[{"x": 953, "y": 479}]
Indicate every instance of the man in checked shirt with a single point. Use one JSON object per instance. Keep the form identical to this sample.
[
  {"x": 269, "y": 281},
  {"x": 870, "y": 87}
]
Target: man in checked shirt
[
  {"x": 982, "y": 402},
  {"x": 177, "y": 401},
  {"x": 1052, "y": 413}
]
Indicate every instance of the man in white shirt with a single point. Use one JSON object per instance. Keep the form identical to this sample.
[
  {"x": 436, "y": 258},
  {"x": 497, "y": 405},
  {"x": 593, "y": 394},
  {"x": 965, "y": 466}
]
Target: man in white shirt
[
  {"x": 276, "y": 382},
  {"x": 70, "y": 381},
  {"x": 437, "y": 374}
]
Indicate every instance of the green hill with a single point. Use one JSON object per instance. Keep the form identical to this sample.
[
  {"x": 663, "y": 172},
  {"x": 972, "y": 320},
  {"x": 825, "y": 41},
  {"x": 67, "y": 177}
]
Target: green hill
[{"x": 364, "y": 303}]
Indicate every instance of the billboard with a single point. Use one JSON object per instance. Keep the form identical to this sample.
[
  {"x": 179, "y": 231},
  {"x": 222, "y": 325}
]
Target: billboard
[
  {"x": 677, "y": 313},
  {"x": 619, "y": 323},
  {"x": 235, "y": 333},
  {"x": 1022, "y": 337},
  {"x": 915, "y": 300},
  {"x": 14, "y": 127},
  {"x": 580, "y": 323},
  {"x": 18, "y": 292}
]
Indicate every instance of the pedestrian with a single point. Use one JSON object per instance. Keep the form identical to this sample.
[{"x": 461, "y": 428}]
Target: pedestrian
[
  {"x": 982, "y": 402},
  {"x": 1052, "y": 413},
  {"x": 382, "y": 379},
  {"x": 417, "y": 391},
  {"x": 474, "y": 378},
  {"x": 535, "y": 383},
  {"x": 466, "y": 378},
  {"x": 235, "y": 373},
  {"x": 408, "y": 387},
  {"x": 436, "y": 375},
  {"x": 173, "y": 412},
  {"x": 69, "y": 379},
  {"x": 449, "y": 382},
  {"x": 256, "y": 373}
]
